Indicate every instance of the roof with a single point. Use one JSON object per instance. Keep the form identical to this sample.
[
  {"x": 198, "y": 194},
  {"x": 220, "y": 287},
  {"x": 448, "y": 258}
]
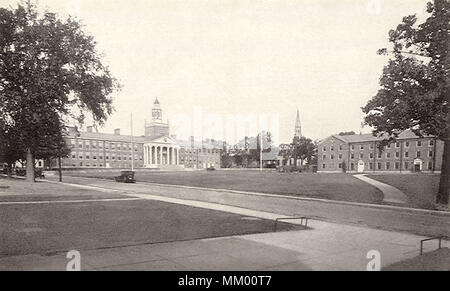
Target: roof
[
  {"x": 109, "y": 137},
  {"x": 272, "y": 155},
  {"x": 355, "y": 138}
]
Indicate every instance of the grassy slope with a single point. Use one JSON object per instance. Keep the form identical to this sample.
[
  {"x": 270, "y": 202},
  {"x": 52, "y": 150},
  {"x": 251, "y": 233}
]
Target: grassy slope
[
  {"x": 327, "y": 186},
  {"x": 420, "y": 188}
]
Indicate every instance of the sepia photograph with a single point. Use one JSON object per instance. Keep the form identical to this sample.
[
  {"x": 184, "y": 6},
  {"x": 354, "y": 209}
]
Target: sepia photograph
[{"x": 224, "y": 141}]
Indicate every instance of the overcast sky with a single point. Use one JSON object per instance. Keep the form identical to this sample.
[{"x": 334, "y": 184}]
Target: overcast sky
[{"x": 245, "y": 57}]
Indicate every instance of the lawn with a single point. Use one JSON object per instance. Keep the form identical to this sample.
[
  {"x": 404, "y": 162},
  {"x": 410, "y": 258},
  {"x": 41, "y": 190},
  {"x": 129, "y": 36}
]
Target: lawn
[
  {"x": 420, "y": 188},
  {"x": 30, "y": 228},
  {"x": 326, "y": 186}
]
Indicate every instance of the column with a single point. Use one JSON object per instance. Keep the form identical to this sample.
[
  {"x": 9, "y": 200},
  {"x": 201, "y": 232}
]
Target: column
[
  {"x": 160, "y": 155},
  {"x": 144, "y": 157},
  {"x": 171, "y": 155},
  {"x": 178, "y": 156}
]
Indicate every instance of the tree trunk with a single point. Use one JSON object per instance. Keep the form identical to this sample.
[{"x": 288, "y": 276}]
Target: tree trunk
[
  {"x": 59, "y": 169},
  {"x": 30, "y": 166},
  {"x": 444, "y": 184}
]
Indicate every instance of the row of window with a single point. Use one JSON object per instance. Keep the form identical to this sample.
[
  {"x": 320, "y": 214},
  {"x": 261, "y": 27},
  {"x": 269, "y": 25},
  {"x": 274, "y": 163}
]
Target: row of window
[
  {"x": 81, "y": 164},
  {"x": 372, "y": 145},
  {"x": 99, "y": 144},
  {"x": 387, "y": 166},
  {"x": 379, "y": 155},
  {"x": 113, "y": 157},
  {"x": 209, "y": 151}
]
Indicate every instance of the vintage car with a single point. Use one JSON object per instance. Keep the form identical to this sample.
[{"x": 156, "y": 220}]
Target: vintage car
[{"x": 126, "y": 177}]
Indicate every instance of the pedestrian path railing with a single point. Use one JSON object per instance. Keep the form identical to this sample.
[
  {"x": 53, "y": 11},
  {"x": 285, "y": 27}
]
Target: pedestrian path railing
[
  {"x": 303, "y": 221},
  {"x": 438, "y": 238}
]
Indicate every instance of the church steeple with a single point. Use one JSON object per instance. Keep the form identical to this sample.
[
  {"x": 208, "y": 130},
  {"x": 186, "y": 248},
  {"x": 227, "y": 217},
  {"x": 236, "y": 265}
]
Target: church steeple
[{"x": 298, "y": 126}]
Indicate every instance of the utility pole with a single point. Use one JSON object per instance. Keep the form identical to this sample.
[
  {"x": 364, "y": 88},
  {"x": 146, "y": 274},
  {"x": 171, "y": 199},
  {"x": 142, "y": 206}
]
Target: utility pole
[
  {"x": 132, "y": 146},
  {"x": 260, "y": 151}
]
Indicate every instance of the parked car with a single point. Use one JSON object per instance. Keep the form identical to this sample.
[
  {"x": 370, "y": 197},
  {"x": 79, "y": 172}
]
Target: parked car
[
  {"x": 211, "y": 169},
  {"x": 126, "y": 177}
]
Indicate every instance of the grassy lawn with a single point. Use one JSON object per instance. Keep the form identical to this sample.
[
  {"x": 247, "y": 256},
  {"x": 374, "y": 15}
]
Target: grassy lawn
[
  {"x": 326, "y": 186},
  {"x": 30, "y": 228},
  {"x": 420, "y": 188}
]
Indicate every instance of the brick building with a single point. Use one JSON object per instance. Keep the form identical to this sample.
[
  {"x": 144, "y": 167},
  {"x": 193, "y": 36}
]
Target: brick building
[
  {"x": 360, "y": 153},
  {"x": 155, "y": 149},
  {"x": 200, "y": 155}
]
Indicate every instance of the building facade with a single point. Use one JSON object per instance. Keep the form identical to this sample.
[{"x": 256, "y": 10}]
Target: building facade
[
  {"x": 155, "y": 149},
  {"x": 200, "y": 155},
  {"x": 361, "y": 153}
]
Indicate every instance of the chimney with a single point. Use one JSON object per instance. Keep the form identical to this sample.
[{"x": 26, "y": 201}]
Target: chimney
[
  {"x": 89, "y": 129},
  {"x": 117, "y": 131}
]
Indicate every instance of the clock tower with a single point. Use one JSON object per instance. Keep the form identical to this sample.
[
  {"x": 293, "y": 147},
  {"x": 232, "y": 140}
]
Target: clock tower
[{"x": 157, "y": 128}]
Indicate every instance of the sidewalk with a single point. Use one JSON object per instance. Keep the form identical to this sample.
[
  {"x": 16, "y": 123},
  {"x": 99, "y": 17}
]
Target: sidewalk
[
  {"x": 391, "y": 194},
  {"x": 327, "y": 246}
]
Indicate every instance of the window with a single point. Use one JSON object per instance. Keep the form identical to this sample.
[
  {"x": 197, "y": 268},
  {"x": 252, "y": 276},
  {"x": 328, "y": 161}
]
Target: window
[
  {"x": 324, "y": 157},
  {"x": 74, "y": 156},
  {"x": 370, "y": 166},
  {"x": 397, "y": 144},
  {"x": 371, "y": 146},
  {"x": 340, "y": 156},
  {"x": 94, "y": 157},
  {"x": 418, "y": 154},
  {"x": 332, "y": 157},
  {"x": 406, "y": 143},
  {"x": 388, "y": 146},
  {"x": 431, "y": 142},
  {"x": 379, "y": 155},
  {"x": 353, "y": 147},
  {"x": 406, "y": 165},
  {"x": 352, "y": 155},
  {"x": 419, "y": 143},
  {"x": 379, "y": 166},
  {"x": 352, "y": 166},
  {"x": 388, "y": 155},
  {"x": 361, "y": 147},
  {"x": 430, "y": 154},
  {"x": 340, "y": 147},
  {"x": 340, "y": 166},
  {"x": 87, "y": 157},
  {"x": 324, "y": 149},
  {"x": 406, "y": 154},
  {"x": 388, "y": 165},
  {"x": 397, "y": 154},
  {"x": 371, "y": 155},
  {"x": 81, "y": 157},
  {"x": 430, "y": 166},
  {"x": 397, "y": 165},
  {"x": 361, "y": 155},
  {"x": 323, "y": 166}
]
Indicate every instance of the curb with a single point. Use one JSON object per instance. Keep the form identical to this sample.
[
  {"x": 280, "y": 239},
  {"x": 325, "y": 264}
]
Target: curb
[{"x": 356, "y": 204}]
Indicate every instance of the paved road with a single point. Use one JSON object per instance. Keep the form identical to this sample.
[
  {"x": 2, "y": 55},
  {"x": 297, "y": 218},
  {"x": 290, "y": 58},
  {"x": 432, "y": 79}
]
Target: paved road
[{"x": 387, "y": 219}]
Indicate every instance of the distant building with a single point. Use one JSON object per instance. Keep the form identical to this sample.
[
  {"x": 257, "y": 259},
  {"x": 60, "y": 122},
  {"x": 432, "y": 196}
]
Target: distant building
[
  {"x": 360, "y": 153},
  {"x": 200, "y": 155}
]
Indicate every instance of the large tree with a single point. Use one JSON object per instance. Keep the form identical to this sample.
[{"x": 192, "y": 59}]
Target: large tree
[
  {"x": 415, "y": 85},
  {"x": 302, "y": 148},
  {"x": 49, "y": 70}
]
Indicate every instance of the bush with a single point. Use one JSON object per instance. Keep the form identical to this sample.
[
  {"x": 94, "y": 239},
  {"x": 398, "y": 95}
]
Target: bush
[{"x": 289, "y": 169}]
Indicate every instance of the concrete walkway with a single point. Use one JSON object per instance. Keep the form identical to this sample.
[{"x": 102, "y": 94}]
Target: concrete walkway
[
  {"x": 391, "y": 194},
  {"x": 326, "y": 246}
]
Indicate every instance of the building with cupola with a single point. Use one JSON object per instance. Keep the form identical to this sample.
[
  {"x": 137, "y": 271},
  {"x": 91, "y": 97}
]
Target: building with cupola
[{"x": 156, "y": 149}]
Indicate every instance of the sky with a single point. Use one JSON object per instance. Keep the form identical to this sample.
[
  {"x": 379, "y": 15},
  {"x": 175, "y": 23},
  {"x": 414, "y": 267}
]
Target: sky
[{"x": 218, "y": 64}]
